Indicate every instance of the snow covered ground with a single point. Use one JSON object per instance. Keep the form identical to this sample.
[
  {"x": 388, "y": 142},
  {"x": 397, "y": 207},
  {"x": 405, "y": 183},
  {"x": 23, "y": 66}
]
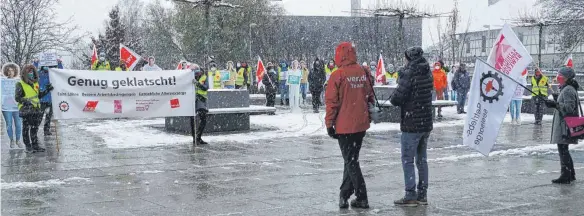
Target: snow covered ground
[{"x": 139, "y": 133}]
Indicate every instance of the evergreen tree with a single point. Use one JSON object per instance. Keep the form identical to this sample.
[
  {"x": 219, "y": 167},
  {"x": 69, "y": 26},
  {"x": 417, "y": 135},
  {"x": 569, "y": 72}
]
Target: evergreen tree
[{"x": 114, "y": 35}]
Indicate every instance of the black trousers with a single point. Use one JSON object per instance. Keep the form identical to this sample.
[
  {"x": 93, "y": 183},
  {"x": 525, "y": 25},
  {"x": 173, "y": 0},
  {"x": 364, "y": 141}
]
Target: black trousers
[
  {"x": 48, "y": 115},
  {"x": 202, "y": 114},
  {"x": 316, "y": 99},
  {"x": 539, "y": 109},
  {"x": 353, "y": 181},
  {"x": 30, "y": 128},
  {"x": 566, "y": 162},
  {"x": 270, "y": 99}
]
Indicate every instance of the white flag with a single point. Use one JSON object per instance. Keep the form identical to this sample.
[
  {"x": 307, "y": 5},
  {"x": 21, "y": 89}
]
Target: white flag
[{"x": 491, "y": 92}]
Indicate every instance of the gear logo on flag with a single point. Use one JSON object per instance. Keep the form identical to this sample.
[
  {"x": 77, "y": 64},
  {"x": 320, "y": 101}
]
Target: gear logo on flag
[
  {"x": 64, "y": 106},
  {"x": 491, "y": 86}
]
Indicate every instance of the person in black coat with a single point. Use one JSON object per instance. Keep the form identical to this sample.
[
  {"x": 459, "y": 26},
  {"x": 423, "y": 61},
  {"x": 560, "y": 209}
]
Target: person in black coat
[
  {"x": 414, "y": 96},
  {"x": 316, "y": 79},
  {"x": 270, "y": 81}
]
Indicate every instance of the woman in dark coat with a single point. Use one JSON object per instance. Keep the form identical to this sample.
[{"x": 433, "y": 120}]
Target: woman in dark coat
[
  {"x": 316, "y": 79},
  {"x": 270, "y": 81},
  {"x": 566, "y": 104}
]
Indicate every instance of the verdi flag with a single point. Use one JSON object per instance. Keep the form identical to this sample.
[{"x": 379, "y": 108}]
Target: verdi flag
[
  {"x": 129, "y": 57},
  {"x": 492, "y": 88},
  {"x": 380, "y": 70},
  {"x": 260, "y": 72},
  {"x": 570, "y": 62}
]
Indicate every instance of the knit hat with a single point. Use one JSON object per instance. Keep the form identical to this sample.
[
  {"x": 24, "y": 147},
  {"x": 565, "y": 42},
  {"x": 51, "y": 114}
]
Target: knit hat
[{"x": 567, "y": 72}]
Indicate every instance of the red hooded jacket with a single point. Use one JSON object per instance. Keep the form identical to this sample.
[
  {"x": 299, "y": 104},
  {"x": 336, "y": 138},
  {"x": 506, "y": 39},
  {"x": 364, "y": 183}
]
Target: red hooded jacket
[{"x": 348, "y": 93}]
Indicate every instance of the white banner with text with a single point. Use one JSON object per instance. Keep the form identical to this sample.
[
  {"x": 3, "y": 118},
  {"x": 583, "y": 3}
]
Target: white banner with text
[{"x": 80, "y": 94}]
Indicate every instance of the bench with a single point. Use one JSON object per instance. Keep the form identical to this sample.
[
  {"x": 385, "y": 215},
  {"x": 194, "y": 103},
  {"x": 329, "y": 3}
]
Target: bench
[
  {"x": 229, "y": 110},
  {"x": 393, "y": 114},
  {"x": 260, "y": 99}
]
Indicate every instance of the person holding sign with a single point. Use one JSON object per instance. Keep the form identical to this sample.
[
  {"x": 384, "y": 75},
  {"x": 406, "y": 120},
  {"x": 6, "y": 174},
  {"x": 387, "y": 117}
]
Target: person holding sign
[
  {"x": 28, "y": 95},
  {"x": 9, "y": 105},
  {"x": 294, "y": 77},
  {"x": 201, "y": 86},
  {"x": 230, "y": 84}
]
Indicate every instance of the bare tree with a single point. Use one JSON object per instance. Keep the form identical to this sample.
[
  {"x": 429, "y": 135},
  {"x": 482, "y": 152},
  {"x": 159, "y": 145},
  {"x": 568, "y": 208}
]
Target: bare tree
[{"x": 30, "y": 27}]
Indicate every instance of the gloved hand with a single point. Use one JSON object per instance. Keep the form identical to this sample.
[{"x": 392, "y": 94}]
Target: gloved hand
[
  {"x": 550, "y": 104},
  {"x": 26, "y": 102},
  {"x": 50, "y": 87},
  {"x": 332, "y": 133},
  {"x": 374, "y": 114}
]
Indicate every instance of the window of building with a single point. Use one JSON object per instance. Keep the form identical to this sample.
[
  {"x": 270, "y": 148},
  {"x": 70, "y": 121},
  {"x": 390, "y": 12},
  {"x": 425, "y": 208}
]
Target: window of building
[
  {"x": 542, "y": 42},
  {"x": 520, "y": 36},
  {"x": 483, "y": 44},
  {"x": 467, "y": 44}
]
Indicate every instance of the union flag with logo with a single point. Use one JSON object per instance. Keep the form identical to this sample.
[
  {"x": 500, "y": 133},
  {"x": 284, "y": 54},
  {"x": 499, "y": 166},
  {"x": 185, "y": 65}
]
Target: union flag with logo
[{"x": 493, "y": 86}]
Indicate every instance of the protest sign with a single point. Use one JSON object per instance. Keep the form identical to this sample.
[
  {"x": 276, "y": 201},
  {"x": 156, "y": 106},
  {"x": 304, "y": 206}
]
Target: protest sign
[
  {"x": 8, "y": 88},
  {"x": 48, "y": 59},
  {"x": 110, "y": 94}
]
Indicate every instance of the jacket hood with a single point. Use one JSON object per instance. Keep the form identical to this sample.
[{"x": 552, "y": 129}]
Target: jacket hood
[
  {"x": 345, "y": 54},
  {"x": 414, "y": 53},
  {"x": 24, "y": 74},
  {"x": 317, "y": 64},
  {"x": 13, "y": 65}
]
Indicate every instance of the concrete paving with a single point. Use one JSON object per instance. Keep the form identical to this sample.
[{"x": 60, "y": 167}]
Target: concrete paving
[{"x": 287, "y": 176}]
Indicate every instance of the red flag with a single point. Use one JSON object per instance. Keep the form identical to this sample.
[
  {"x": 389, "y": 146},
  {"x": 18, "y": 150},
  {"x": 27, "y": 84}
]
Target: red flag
[
  {"x": 570, "y": 62},
  {"x": 380, "y": 70},
  {"x": 129, "y": 57},
  {"x": 260, "y": 71},
  {"x": 94, "y": 55}
]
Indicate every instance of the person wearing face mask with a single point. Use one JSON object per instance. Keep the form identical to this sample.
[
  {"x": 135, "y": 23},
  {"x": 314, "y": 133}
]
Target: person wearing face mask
[
  {"x": 461, "y": 85},
  {"x": 391, "y": 75},
  {"x": 201, "y": 88},
  {"x": 283, "y": 77},
  {"x": 270, "y": 81},
  {"x": 230, "y": 84},
  {"x": 329, "y": 69},
  {"x": 242, "y": 76},
  {"x": 539, "y": 87},
  {"x": 566, "y": 104},
  {"x": 101, "y": 64},
  {"x": 46, "y": 102},
  {"x": 215, "y": 74},
  {"x": 373, "y": 68},
  {"x": 28, "y": 95},
  {"x": 316, "y": 78},
  {"x": 440, "y": 84}
]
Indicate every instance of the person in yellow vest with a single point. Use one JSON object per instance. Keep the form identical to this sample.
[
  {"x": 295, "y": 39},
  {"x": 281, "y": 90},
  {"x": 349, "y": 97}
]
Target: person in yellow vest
[
  {"x": 390, "y": 76},
  {"x": 329, "y": 69},
  {"x": 101, "y": 64},
  {"x": 539, "y": 87},
  {"x": 215, "y": 74},
  {"x": 27, "y": 95},
  {"x": 201, "y": 87},
  {"x": 122, "y": 66},
  {"x": 242, "y": 77},
  {"x": 230, "y": 84},
  {"x": 304, "y": 80}
]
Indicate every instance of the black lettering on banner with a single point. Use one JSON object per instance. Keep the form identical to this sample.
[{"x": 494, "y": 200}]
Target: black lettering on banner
[
  {"x": 116, "y": 84},
  {"x": 474, "y": 119}
]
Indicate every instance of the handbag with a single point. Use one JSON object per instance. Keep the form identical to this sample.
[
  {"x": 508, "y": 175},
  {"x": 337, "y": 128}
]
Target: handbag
[
  {"x": 375, "y": 111},
  {"x": 575, "y": 123}
]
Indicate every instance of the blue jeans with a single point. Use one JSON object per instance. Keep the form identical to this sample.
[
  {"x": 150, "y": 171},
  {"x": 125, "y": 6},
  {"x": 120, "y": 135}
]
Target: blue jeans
[
  {"x": 283, "y": 90},
  {"x": 229, "y": 87},
  {"x": 452, "y": 95},
  {"x": 414, "y": 145},
  {"x": 446, "y": 95},
  {"x": 9, "y": 118},
  {"x": 461, "y": 99},
  {"x": 515, "y": 109},
  {"x": 303, "y": 90}
]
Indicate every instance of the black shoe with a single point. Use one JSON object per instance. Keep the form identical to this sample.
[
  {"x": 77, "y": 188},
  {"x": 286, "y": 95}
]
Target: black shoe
[
  {"x": 573, "y": 178},
  {"x": 281, "y": 103},
  {"x": 406, "y": 203},
  {"x": 562, "y": 180},
  {"x": 422, "y": 201},
  {"x": 28, "y": 150},
  {"x": 359, "y": 204},
  {"x": 463, "y": 112},
  {"x": 343, "y": 203},
  {"x": 201, "y": 142},
  {"x": 48, "y": 133},
  {"x": 537, "y": 122},
  {"x": 39, "y": 149},
  {"x": 315, "y": 110}
]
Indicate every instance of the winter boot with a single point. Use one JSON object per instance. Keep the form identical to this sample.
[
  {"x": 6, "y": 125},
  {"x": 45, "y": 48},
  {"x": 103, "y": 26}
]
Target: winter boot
[
  {"x": 12, "y": 144},
  {"x": 343, "y": 203},
  {"x": 565, "y": 176},
  {"x": 287, "y": 102},
  {"x": 38, "y": 149},
  {"x": 201, "y": 142},
  {"x": 47, "y": 132},
  {"x": 281, "y": 102},
  {"x": 315, "y": 110},
  {"x": 359, "y": 204},
  {"x": 406, "y": 203}
]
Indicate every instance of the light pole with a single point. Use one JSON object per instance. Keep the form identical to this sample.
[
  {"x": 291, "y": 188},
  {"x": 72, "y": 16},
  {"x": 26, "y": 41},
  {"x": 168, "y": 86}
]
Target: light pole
[{"x": 251, "y": 25}]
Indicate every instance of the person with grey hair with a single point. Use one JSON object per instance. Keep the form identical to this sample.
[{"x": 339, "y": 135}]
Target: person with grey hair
[{"x": 567, "y": 104}]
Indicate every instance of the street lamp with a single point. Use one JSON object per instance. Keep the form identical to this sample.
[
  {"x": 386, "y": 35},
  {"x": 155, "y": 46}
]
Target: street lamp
[{"x": 251, "y": 25}]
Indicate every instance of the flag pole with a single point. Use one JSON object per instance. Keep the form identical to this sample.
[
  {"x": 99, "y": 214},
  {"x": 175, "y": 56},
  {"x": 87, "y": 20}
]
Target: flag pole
[{"x": 505, "y": 75}]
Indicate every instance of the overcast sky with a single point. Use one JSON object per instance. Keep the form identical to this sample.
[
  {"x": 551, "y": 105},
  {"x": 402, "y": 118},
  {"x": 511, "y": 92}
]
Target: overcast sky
[{"x": 90, "y": 14}]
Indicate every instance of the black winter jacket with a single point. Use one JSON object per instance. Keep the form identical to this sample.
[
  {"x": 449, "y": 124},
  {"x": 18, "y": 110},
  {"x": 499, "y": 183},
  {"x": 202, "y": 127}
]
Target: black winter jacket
[
  {"x": 461, "y": 81},
  {"x": 271, "y": 87},
  {"x": 317, "y": 77},
  {"x": 414, "y": 94}
]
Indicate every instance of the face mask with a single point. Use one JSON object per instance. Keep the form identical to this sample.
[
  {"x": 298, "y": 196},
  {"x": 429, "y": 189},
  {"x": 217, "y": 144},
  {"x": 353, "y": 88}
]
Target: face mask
[
  {"x": 31, "y": 75},
  {"x": 213, "y": 68},
  {"x": 102, "y": 58},
  {"x": 437, "y": 67}
]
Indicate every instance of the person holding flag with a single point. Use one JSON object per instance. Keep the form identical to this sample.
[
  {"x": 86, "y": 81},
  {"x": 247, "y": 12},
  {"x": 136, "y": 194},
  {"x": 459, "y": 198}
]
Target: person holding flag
[
  {"x": 539, "y": 89},
  {"x": 270, "y": 81},
  {"x": 567, "y": 104}
]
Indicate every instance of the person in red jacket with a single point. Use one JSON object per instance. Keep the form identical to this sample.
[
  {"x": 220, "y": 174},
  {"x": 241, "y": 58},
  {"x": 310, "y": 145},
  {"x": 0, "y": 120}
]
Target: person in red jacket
[
  {"x": 440, "y": 84},
  {"x": 348, "y": 95}
]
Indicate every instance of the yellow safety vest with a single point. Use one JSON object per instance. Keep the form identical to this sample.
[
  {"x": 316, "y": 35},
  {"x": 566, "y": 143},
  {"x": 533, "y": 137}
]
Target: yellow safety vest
[
  {"x": 120, "y": 69},
  {"x": 240, "y": 78},
  {"x": 31, "y": 93},
  {"x": 201, "y": 92},
  {"x": 280, "y": 73},
  {"x": 329, "y": 72},
  {"x": 100, "y": 67},
  {"x": 217, "y": 80},
  {"x": 540, "y": 88}
]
